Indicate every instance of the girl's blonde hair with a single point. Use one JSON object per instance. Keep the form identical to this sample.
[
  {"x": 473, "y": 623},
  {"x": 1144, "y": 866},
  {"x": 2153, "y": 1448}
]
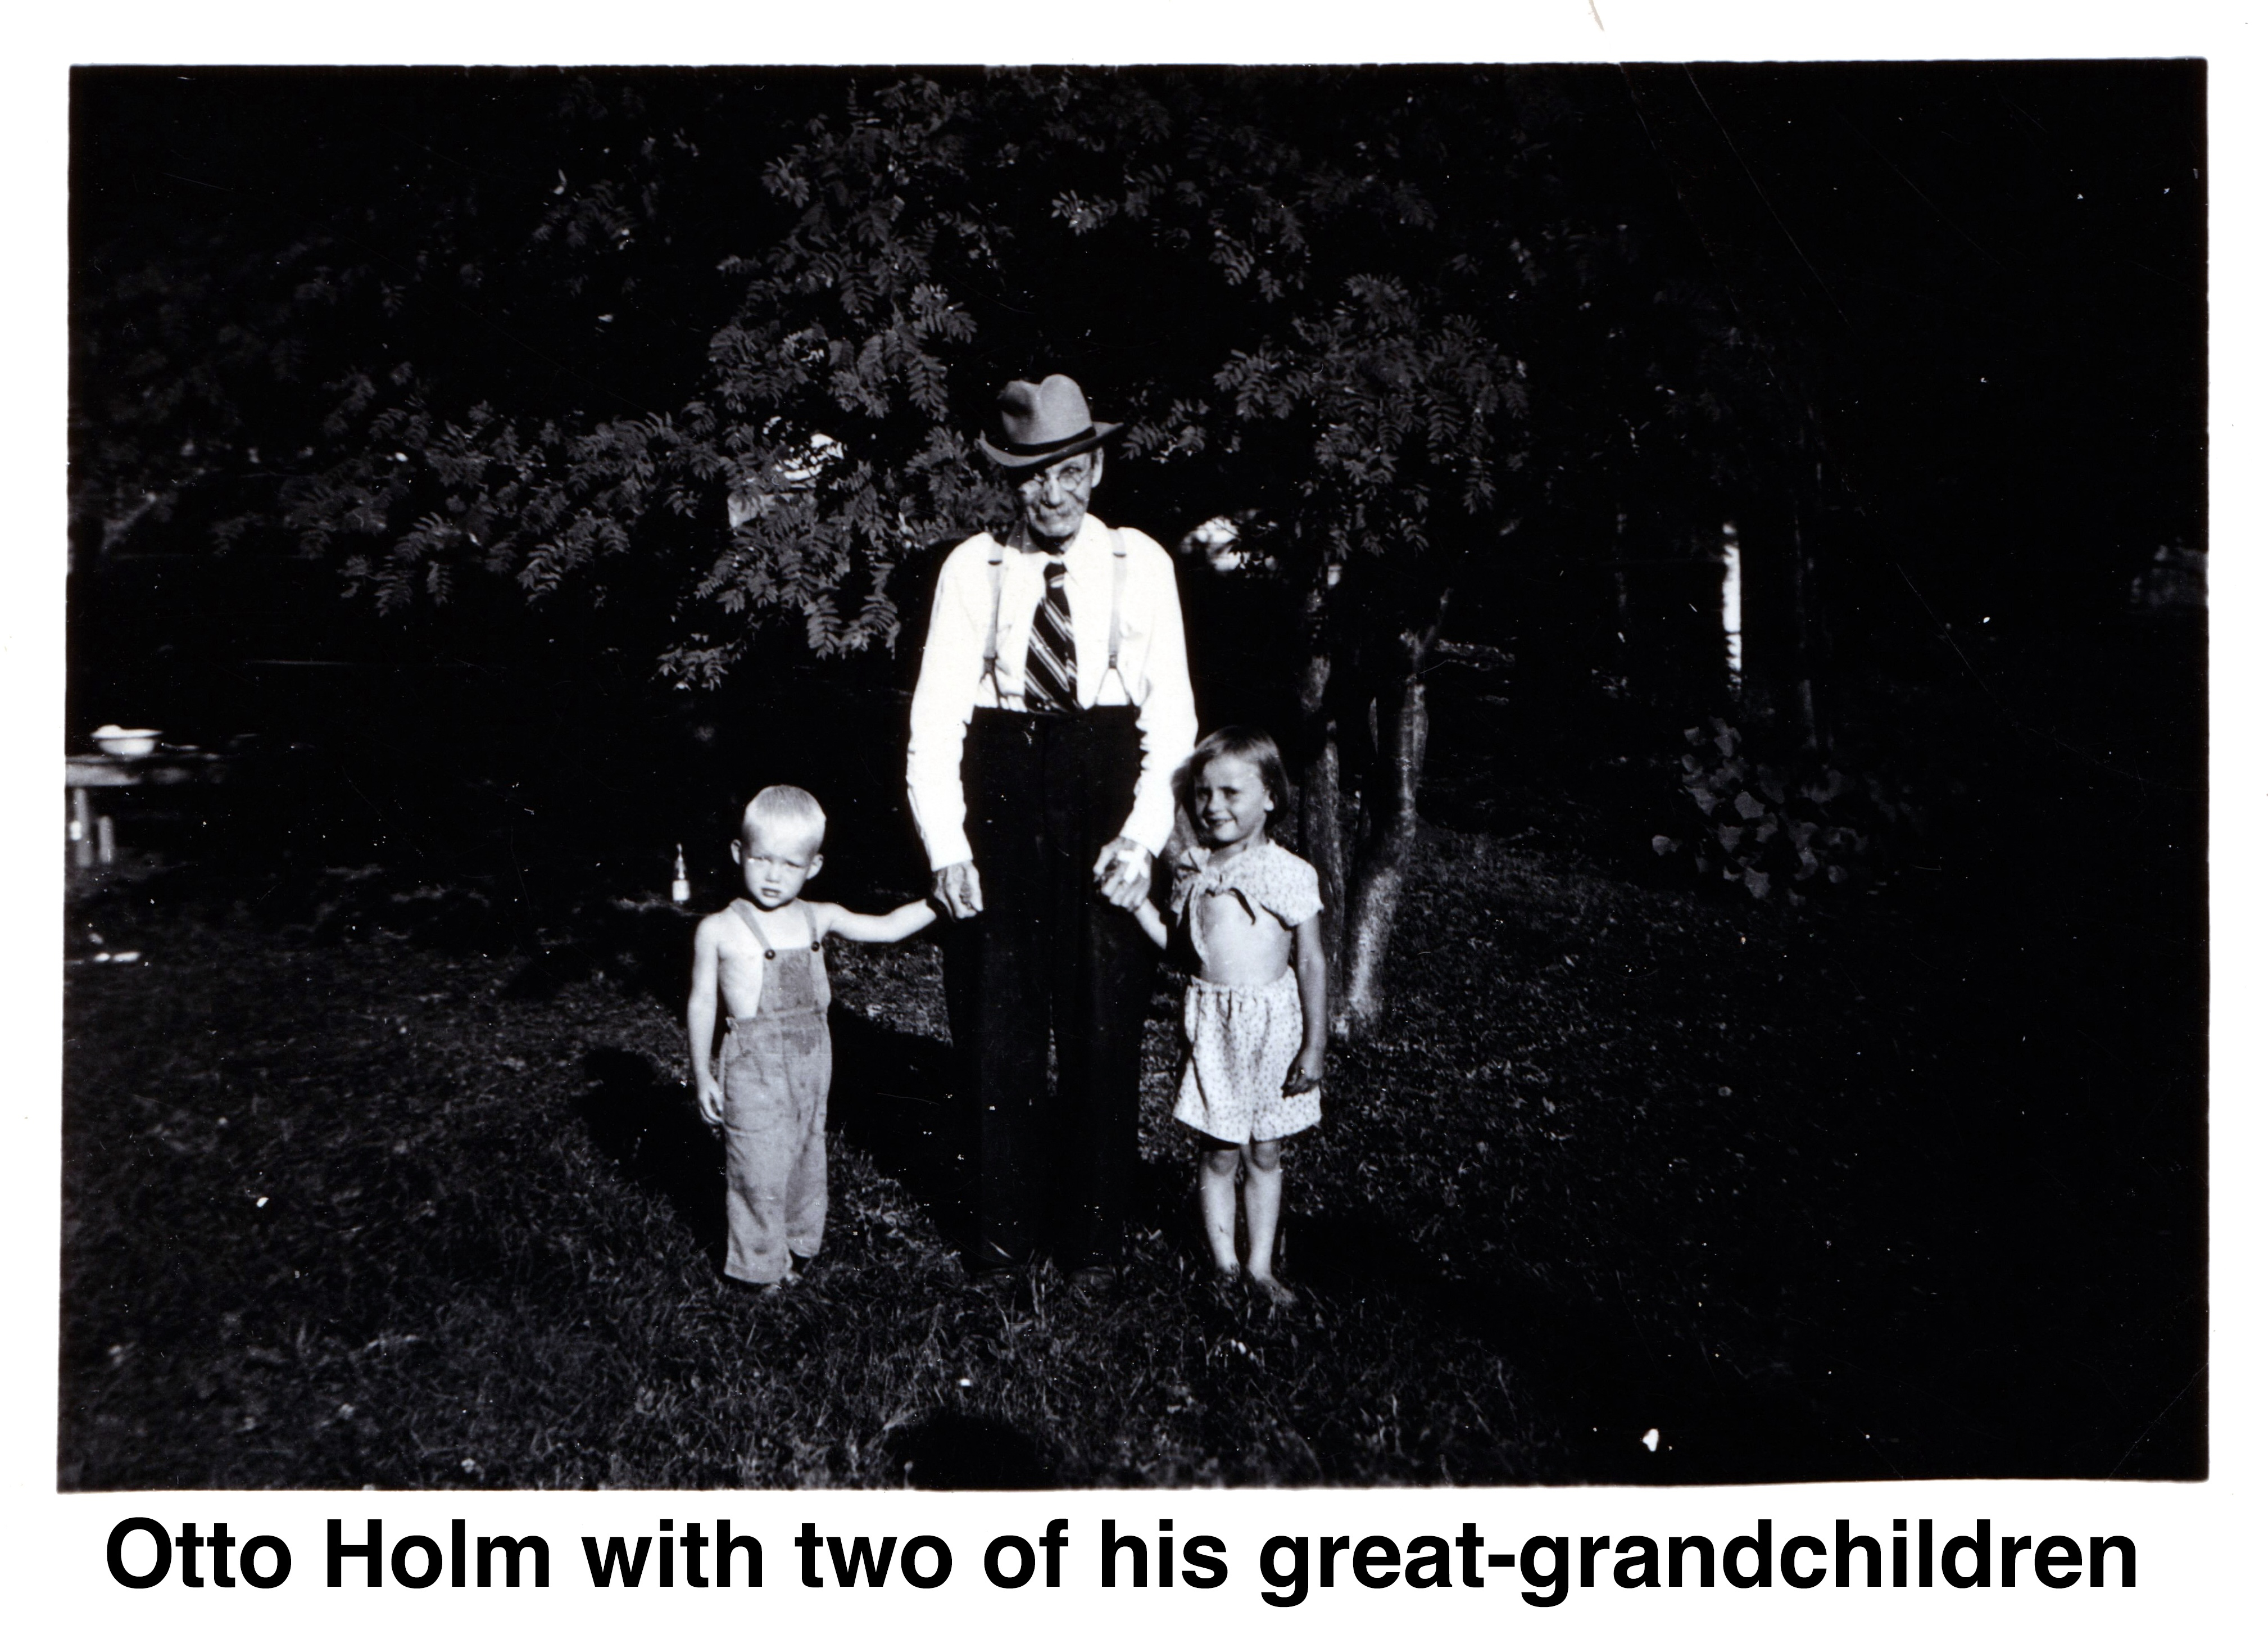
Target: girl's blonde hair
[{"x": 1250, "y": 745}]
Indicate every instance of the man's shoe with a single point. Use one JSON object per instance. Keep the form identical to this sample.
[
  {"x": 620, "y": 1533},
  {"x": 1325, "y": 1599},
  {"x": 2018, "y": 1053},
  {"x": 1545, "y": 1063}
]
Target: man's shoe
[
  {"x": 990, "y": 1258},
  {"x": 1094, "y": 1279},
  {"x": 1004, "y": 1286}
]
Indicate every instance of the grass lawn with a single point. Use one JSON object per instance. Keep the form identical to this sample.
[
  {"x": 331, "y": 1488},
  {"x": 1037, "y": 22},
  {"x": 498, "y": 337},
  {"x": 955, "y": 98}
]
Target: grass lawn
[{"x": 1814, "y": 1196}]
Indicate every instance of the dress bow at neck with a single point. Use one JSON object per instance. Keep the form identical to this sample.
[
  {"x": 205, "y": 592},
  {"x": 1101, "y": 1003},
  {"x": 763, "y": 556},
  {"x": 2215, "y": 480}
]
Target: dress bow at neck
[{"x": 1194, "y": 878}]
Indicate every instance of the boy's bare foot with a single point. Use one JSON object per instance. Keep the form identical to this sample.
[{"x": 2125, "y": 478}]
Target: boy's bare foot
[
  {"x": 1278, "y": 1295},
  {"x": 762, "y": 1288}
]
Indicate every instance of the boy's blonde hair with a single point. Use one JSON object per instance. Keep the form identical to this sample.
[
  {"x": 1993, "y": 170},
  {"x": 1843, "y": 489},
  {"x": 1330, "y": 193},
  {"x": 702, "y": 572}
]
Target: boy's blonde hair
[{"x": 786, "y": 811}]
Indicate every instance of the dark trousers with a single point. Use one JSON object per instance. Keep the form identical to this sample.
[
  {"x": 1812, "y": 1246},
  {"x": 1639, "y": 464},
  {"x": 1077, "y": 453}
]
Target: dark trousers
[{"x": 1049, "y": 960}]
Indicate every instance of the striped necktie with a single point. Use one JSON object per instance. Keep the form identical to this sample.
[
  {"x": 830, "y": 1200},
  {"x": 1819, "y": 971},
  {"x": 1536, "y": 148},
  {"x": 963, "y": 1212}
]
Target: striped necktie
[{"x": 1051, "y": 664}]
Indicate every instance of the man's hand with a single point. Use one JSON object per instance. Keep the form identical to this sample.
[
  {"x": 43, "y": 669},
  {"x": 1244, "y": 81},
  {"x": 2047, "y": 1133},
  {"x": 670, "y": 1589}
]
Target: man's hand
[
  {"x": 958, "y": 892},
  {"x": 709, "y": 1095},
  {"x": 1122, "y": 872}
]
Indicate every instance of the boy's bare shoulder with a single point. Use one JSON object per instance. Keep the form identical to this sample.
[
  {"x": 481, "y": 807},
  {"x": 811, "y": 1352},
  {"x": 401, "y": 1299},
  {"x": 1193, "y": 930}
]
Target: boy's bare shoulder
[{"x": 714, "y": 927}]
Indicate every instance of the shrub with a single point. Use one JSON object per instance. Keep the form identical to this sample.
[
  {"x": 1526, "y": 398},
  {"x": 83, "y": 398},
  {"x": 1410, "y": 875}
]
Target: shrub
[{"x": 1792, "y": 830}]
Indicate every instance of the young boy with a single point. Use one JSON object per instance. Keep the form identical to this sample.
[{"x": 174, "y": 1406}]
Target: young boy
[{"x": 769, "y": 1087}]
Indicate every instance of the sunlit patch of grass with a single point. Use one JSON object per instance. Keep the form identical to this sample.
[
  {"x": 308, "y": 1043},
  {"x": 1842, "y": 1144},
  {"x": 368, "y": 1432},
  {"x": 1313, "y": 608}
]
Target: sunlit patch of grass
[
  {"x": 364, "y": 1211},
  {"x": 356, "y": 1213}
]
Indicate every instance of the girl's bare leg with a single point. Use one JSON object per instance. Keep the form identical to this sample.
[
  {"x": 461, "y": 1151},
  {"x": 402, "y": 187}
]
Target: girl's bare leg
[
  {"x": 1263, "y": 1202},
  {"x": 1217, "y": 1201}
]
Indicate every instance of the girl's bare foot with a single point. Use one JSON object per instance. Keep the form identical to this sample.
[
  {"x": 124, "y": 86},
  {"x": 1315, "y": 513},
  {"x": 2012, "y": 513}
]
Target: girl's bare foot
[{"x": 1279, "y": 1296}]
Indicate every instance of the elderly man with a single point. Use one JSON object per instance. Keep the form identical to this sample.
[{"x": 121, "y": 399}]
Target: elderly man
[{"x": 1052, "y": 709}]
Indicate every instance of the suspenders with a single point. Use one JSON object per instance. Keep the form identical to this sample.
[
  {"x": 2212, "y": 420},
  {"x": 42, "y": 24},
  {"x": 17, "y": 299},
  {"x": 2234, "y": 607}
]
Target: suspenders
[
  {"x": 746, "y": 912},
  {"x": 996, "y": 567}
]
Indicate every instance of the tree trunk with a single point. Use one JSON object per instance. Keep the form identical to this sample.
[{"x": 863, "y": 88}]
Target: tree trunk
[
  {"x": 1320, "y": 837},
  {"x": 1625, "y": 627},
  {"x": 1779, "y": 703},
  {"x": 1779, "y": 296},
  {"x": 1376, "y": 890},
  {"x": 1811, "y": 623}
]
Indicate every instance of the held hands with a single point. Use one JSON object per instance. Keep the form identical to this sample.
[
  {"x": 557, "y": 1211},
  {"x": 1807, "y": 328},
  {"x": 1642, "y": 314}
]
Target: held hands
[
  {"x": 1307, "y": 1073},
  {"x": 958, "y": 892},
  {"x": 1122, "y": 873}
]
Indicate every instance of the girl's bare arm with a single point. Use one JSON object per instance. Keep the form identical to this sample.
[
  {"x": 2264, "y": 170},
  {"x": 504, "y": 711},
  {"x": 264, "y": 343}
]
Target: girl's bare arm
[
  {"x": 1314, "y": 1004},
  {"x": 1152, "y": 923}
]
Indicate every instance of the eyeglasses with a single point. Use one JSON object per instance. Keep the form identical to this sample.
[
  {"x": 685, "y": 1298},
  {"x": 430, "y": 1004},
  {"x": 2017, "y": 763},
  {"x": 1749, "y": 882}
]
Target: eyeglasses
[{"x": 1073, "y": 474}]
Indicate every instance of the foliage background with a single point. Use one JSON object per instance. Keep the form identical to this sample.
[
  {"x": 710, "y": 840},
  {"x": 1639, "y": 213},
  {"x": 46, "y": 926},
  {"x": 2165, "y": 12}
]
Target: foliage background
[{"x": 508, "y": 342}]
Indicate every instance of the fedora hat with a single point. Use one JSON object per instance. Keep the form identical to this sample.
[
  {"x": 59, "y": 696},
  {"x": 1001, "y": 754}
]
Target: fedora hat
[{"x": 1045, "y": 423}]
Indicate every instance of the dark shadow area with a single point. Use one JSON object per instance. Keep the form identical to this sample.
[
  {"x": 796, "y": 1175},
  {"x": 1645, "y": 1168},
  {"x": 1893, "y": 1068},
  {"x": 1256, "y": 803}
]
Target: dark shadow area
[
  {"x": 1163, "y": 1196},
  {"x": 894, "y": 1097},
  {"x": 949, "y": 1450},
  {"x": 639, "y": 944},
  {"x": 1593, "y": 1362},
  {"x": 652, "y": 1132},
  {"x": 1975, "y": 1248},
  {"x": 548, "y": 969},
  {"x": 650, "y": 947}
]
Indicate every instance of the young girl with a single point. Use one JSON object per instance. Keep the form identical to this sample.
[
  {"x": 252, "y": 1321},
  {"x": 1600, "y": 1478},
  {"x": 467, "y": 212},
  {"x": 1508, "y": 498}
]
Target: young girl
[{"x": 1257, "y": 1015}]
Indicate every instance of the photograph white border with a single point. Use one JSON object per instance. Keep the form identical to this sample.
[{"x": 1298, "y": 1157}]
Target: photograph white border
[{"x": 2197, "y": 1540}]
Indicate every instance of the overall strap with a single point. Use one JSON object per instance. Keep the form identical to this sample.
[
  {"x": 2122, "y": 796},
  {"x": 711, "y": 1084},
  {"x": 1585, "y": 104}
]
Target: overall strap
[
  {"x": 994, "y": 565},
  {"x": 748, "y": 917},
  {"x": 1117, "y": 595},
  {"x": 810, "y": 924}
]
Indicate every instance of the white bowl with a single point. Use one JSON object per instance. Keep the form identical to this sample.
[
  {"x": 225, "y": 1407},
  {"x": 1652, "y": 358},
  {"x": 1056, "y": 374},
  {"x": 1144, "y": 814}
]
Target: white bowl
[{"x": 113, "y": 740}]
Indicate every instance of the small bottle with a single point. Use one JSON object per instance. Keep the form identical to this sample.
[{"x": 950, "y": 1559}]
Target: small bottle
[{"x": 680, "y": 889}]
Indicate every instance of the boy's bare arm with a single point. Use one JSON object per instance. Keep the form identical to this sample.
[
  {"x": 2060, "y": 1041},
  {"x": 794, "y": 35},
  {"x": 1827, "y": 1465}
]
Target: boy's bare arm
[
  {"x": 701, "y": 1020},
  {"x": 895, "y": 926},
  {"x": 1314, "y": 1004}
]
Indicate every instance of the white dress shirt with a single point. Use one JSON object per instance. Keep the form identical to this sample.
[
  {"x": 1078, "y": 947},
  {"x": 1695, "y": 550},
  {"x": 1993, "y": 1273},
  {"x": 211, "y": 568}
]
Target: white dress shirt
[{"x": 1153, "y": 660}]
